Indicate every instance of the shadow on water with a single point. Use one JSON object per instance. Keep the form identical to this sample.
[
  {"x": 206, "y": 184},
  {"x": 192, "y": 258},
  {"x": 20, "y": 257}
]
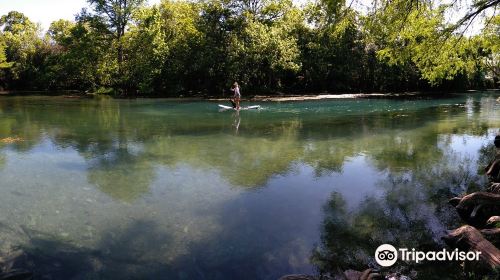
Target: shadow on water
[
  {"x": 135, "y": 253},
  {"x": 121, "y": 254}
]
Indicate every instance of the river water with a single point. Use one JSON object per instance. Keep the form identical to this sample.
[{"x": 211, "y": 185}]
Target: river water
[{"x": 162, "y": 189}]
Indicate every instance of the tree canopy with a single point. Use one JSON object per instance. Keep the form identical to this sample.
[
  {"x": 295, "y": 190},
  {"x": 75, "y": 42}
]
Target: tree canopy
[{"x": 202, "y": 47}]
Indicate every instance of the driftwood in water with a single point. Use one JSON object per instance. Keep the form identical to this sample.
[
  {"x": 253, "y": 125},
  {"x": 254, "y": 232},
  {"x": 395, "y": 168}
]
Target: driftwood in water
[
  {"x": 476, "y": 208},
  {"x": 468, "y": 238}
]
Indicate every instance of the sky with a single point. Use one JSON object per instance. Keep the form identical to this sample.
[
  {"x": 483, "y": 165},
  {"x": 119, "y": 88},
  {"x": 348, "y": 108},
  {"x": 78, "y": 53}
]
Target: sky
[
  {"x": 43, "y": 11},
  {"x": 46, "y": 11}
]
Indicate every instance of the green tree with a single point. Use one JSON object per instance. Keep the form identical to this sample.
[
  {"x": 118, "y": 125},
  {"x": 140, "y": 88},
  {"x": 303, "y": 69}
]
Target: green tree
[
  {"x": 22, "y": 45},
  {"x": 4, "y": 64},
  {"x": 81, "y": 57},
  {"x": 333, "y": 48},
  {"x": 60, "y": 31},
  {"x": 416, "y": 33},
  {"x": 115, "y": 15},
  {"x": 217, "y": 24},
  {"x": 491, "y": 45},
  {"x": 263, "y": 54},
  {"x": 201, "y": 47},
  {"x": 3, "y": 58},
  {"x": 161, "y": 46},
  {"x": 421, "y": 43}
]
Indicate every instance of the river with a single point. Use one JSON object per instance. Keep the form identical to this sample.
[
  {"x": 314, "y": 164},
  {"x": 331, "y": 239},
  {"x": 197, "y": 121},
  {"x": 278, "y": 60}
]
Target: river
[{"x": 162, "y": 189}]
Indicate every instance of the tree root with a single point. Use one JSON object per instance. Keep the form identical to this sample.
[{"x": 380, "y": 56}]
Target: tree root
[
  {"x": 468, "y": 238},
  {"x": 368, "y": 274},
  {"x": 493, "y": 188},
  {"x": 493, "y": 221},
  {"x": 492, "y": 235},
  {"x": 476, "y": 208}
]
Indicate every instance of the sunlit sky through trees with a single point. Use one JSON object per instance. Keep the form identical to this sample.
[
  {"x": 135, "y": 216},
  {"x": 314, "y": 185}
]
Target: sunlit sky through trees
[{"x": 47, "y": 11}]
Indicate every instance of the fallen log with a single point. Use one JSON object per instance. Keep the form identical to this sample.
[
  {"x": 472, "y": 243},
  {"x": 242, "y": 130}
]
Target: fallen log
[
  {"x": 476, "y": 208},
  {"x": 468, "y": 238}
]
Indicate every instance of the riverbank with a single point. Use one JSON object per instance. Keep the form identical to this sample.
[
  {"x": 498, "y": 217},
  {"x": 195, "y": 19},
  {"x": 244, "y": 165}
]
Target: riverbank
[
  {"x": 256, "y": 98},
  {"x": 328, "y": 96}
]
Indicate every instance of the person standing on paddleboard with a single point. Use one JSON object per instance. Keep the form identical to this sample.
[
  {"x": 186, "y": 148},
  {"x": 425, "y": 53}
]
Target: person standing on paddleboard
[{"x": 237, "y": 94}]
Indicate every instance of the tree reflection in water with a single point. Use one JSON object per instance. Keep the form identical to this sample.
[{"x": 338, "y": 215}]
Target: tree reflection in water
[
  {"x": 124, "y": 146},
  {"x": 413, "y": 212}
]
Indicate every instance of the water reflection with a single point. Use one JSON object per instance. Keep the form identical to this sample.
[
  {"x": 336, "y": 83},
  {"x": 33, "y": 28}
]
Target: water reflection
[
  {"x": 93, "y": 128},
  {"x": 237, "y": 121},
  {"x": 200, "y": 187},
  {"x": 412, "y": 213},
  {"x": 121, "y": 174}
]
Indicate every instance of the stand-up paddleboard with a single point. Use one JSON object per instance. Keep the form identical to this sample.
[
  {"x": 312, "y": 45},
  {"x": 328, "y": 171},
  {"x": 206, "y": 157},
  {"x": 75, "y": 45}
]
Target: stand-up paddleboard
[{"x": 253, "y": 107}]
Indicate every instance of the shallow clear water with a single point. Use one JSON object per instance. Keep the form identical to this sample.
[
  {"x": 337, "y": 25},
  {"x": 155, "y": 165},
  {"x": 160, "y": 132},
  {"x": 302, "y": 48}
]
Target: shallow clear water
[{"x": 178, "y": 190}]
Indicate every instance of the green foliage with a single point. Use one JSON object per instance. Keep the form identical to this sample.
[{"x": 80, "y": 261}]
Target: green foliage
[
  {"x": 23, "y": 48},
  {"x": 115, "y": 14},
  {"x": 201, "y": 47},
  {"x": 82, "y": 58},
  {"x": 263, "y": 53},
  {"x": 420, "y": 42},
  {"x": 60, "y": 31},
  {"x": 161, "y": 43},
  {"x": 491, "y": 50},
  {"x": 3, "y": 58}
]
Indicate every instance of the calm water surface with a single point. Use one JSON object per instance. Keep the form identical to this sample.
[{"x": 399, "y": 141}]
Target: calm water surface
[{"x": 100, "y": 189}]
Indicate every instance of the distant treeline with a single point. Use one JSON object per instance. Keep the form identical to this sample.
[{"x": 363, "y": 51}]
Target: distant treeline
[{"x": 202, "y": 47}]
